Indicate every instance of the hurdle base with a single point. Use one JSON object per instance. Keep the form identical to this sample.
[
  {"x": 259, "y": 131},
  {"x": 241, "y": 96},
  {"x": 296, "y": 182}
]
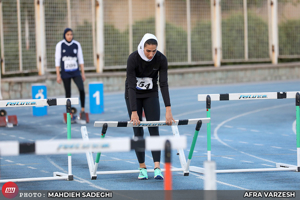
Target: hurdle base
[
  {"x": 283, "y": 165},
  {"x": 279, "y": 167},
  {"x": 134, "y": 171},
  {"x": 56, "y": 176},
  {"x": 199, "y": 170},
  {"x": 70, "y": 178},
  {"x": 94, "y": 177},
  {"x": 67, "y": 176},
  {"x": 186, "y": 174}
]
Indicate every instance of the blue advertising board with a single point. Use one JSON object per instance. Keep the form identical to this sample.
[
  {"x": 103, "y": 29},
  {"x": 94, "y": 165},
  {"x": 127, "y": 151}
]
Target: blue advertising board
[
  {"x": 39, "y": 91},
  {"x": 96, "y": 97}
]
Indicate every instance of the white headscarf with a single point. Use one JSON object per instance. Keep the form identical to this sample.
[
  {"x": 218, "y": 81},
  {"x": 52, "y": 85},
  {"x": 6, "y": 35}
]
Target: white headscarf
[{"x": 146, "y": 37}]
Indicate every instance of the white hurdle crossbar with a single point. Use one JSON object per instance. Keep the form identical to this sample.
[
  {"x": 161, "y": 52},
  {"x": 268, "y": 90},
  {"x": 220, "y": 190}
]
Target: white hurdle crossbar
[
  {"x": 120, "y": 144},
  {"x": 251, "y": 96},
  {"x": 14, "y": 148},
  {"x": 37, "y": 102},
  {"x": 248, "y": 96},
  {"x": 45, "y": 147},
  {"x": 94, "y": 165},
  {"x": 149, "y": 123}
]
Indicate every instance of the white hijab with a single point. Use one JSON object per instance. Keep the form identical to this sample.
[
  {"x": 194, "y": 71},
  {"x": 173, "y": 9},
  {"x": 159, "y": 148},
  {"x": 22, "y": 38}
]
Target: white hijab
[{"x": 146, "y": 37}]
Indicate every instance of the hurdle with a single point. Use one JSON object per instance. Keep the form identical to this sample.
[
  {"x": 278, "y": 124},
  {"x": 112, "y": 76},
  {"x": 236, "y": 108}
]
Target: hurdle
[
  {"x": 104, "y": 124},
  {"x": 252, "y": 96},
  {"x": 76, "y": 146},
  {"x": 11, "y": 148},
  {"x": 45, "y": 147}
]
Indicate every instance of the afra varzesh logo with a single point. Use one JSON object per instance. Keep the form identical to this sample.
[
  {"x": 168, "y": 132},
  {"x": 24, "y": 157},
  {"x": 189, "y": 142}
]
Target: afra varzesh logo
[{"x": 10, "y": 190}]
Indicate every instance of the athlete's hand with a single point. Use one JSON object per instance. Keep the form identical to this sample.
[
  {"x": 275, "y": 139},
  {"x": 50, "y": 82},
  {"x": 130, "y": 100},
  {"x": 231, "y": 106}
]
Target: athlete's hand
[
  {"x": 169, "y": 116},
  {"x": 58, "y": 79},
  {"x": 83, "y": 77},
  {"x": 135, "y": 118}
]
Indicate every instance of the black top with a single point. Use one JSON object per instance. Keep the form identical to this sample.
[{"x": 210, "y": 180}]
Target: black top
[
  {"x": 68, "y": 55},
  {"x": 139, "y": 74}
]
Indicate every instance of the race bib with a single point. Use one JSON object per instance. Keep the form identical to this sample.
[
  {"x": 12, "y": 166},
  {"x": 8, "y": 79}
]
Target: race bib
[
  {"x": 70, "y": 65},
  {"x": 144, "y": 83}
]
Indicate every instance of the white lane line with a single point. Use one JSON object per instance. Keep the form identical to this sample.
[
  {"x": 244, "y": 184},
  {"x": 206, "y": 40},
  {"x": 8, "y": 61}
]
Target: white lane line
[
  {"x": 276, "y": 147},
  {"x": 220, "y": 182},
  {"x": 241, "y": 115},
  {"x": 267, "y": 165},
  {"x": 227, "y": 157},
  {"x": 31, "y": 167},
  {"x": 246, "y": 161},
  {"x": 226, "y": 126},
  {"x": 204, "y": 110},
  {"x": 202, "y": 136},
  {"x": 284, "y": 135},
  {"x": 242, "y": 129},
  {"x": 259, "y": 144},
  {"x": 115, "y": 158},
  {"x": 292, "y": 150},
  {"x": 210, "y": 154},
  {"x": 164, "y": 130},
  {"x": 22, "y": 138},
  {"x": 3, "y": 134},
  {"x": 97, "y": 134},
  {"x": 114, "y": 118},
  {"x": 20, "y": 164},
  {"x": 187, "y": 134},
  {"x": 227, "y": 140},
  {"x": 130, "y": 162},
  {"x": 12, "y": 136},
  {"x": 9, "y": 161},
  {"x": 294, "y": 126},
  {"x": 44, "y": 171},
  {"x": 30, "y": 140},
  {"x": 193, "y": 151},
  {"x": 256, "y": 131},
  {"x": 243, "y": 142}
]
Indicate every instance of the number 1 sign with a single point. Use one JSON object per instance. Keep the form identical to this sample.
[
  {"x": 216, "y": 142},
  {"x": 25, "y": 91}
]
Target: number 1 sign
[{"x": 96, "y": 98}]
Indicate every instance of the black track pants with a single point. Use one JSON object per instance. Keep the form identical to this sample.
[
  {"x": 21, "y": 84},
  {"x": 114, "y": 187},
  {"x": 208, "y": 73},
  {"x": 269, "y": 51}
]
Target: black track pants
[
  {"x": 79, "y": 83},
  {"x": 152, "y": 113}
]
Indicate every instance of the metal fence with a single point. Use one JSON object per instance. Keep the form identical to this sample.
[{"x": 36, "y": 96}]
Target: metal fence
[
  {"x": 245, "y": 30},
  {"x": 56, "y": 20},
  {"x": 76, "y": 14},
  {"x": 289, "y": 29},
  {"x": 189, "y": 31}
]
